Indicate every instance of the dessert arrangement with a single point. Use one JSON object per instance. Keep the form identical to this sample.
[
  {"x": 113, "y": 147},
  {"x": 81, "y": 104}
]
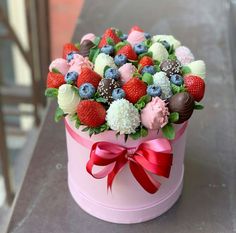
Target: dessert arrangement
[
  {"x": 129, "y": 83},
  {"x": 126, "y": 99}
]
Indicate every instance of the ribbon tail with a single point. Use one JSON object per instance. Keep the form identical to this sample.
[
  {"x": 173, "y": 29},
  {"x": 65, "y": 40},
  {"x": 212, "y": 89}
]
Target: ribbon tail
[
  {"x": 111, "y": 176},
  {"x": 143, "y": 178}
]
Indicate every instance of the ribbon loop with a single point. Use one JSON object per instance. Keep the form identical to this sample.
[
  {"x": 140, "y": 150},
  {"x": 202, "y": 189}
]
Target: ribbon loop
[
  {"x": 104, "y": 154},
  {"x": 143, "y": 178}
]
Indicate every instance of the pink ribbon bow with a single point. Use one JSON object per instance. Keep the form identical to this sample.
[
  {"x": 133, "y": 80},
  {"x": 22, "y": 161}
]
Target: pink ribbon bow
[{"x": 154, "y": 156}]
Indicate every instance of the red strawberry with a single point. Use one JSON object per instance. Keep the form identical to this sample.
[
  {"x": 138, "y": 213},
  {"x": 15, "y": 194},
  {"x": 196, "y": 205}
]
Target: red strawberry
[
  {"x": 195, "y": 86},
  {"x": 145, "y": 61},
  {"x": 55, "y": 80},
  {"x": 88, "y": 76},
  {"x": 134, "y": 89},
  {"x": 68, "y": 48},
  {"x": 136, "y": 28},
  {"x": 128, "y": 51},
  {"x": 109, "y": 33},
  {"x": 91, "y": 113}
]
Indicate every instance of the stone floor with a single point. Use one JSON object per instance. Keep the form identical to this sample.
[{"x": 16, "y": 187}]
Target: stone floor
[{"x": 19, "y": 162}]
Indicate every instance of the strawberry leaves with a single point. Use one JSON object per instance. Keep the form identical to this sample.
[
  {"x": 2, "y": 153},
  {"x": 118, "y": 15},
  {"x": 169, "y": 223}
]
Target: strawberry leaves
[
  {"x": 198, "y": 106},
  {"x": 110, "y": 41},
  {"x": 174, "y": 117},
  {"x": 142, "y": 102},
  {"x": 99, "y": 99},
  {"x": 93, "y": 54},
  {"x": 147, "y": 78},
  {"x": 185, "y": 70},
  {"x": 56, "y": 71},
  {"x": 172, "y": 57},
  {"x": 177, "y": 89},
  {"x": 96, "y": 130},
  {"x": 51, "y": 92},
  {"x": 76, "y": 119},
  {"x": 168, "y": 131},
  {"x": 59, "y": 114},
  {"x": 97, "y": 40},
  {"x": 119, "y": 45},
  {"x": 148, "y": 43},
  {"x": 149, "y": 54},
  {"x": 140, "y": 133}
]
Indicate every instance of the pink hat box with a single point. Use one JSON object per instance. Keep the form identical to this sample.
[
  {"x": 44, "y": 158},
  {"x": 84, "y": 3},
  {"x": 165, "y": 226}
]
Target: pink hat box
[{"x": 127, "y": 202}]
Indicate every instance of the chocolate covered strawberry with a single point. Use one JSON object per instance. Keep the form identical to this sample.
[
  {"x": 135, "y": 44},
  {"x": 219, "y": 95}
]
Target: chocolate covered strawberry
[
  {"x": 195, "y": 86},
  {"x": 55, "y": 80},
  {"x": 134, "y": 89},
  {"x": 88, "y": 76},
  {"x": 69, "y": 48},
  {"x": 128, "y": 51},
  {"x": 109, "y": 33},
  {"x": 91, "y": 113}
]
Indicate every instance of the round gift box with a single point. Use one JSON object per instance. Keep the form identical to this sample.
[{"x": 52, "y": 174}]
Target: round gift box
[{"x": 127, "y": 202}]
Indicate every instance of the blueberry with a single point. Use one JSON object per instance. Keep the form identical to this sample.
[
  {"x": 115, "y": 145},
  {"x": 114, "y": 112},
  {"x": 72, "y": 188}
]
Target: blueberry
[
  {"x": 147, "y": 35},
  {"x": 70, "y": 56},
  {"x": 86, "y": 91},
  {"x": 118, "y": 93},
  {"x": 120, "y": 59},
  {"x": 107, "y": 49},
  {"x": 154, "y": 91},
  {"x": 149, "y": 69},
  {"x": 71, "y": 77},
  {"x": 112, "y": 73},
  {"x": 177, "y": 79},
  {"x": 124, "y": 37},
  {"x": 165, "y": 44},
  {"x": 140, "y": 48}
]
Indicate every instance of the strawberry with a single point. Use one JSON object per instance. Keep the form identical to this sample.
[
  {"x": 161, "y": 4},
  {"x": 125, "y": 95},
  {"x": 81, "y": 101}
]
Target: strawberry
[
  {"x": 145, "y": 61},
  {"x": 55, "y": 80},
  {"x": 88, "y": 76},
  {"x": 136, "y": 28},
  {"x": 109, "y": 33},
  {"x": 128, "y": 51},
  {"x": 195, "y": 86},
  {"x": 134, "y": 90},
  {"x": 68, "y": 48},
  {"x": 91, "y": 113}
]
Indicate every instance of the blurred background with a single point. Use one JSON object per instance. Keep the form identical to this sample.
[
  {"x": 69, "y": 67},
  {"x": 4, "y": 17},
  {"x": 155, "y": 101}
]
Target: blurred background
[{"x": 31, "y": 34}]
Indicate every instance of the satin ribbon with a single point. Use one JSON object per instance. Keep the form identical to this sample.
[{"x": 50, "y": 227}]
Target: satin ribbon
[{"x": 150, "y": 157}]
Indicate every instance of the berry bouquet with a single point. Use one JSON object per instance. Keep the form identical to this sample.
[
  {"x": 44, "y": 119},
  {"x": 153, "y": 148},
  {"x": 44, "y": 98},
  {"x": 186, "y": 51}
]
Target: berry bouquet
[
  {"x": 126, "y": 100},
  {"x": 127, "y": 83}
]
